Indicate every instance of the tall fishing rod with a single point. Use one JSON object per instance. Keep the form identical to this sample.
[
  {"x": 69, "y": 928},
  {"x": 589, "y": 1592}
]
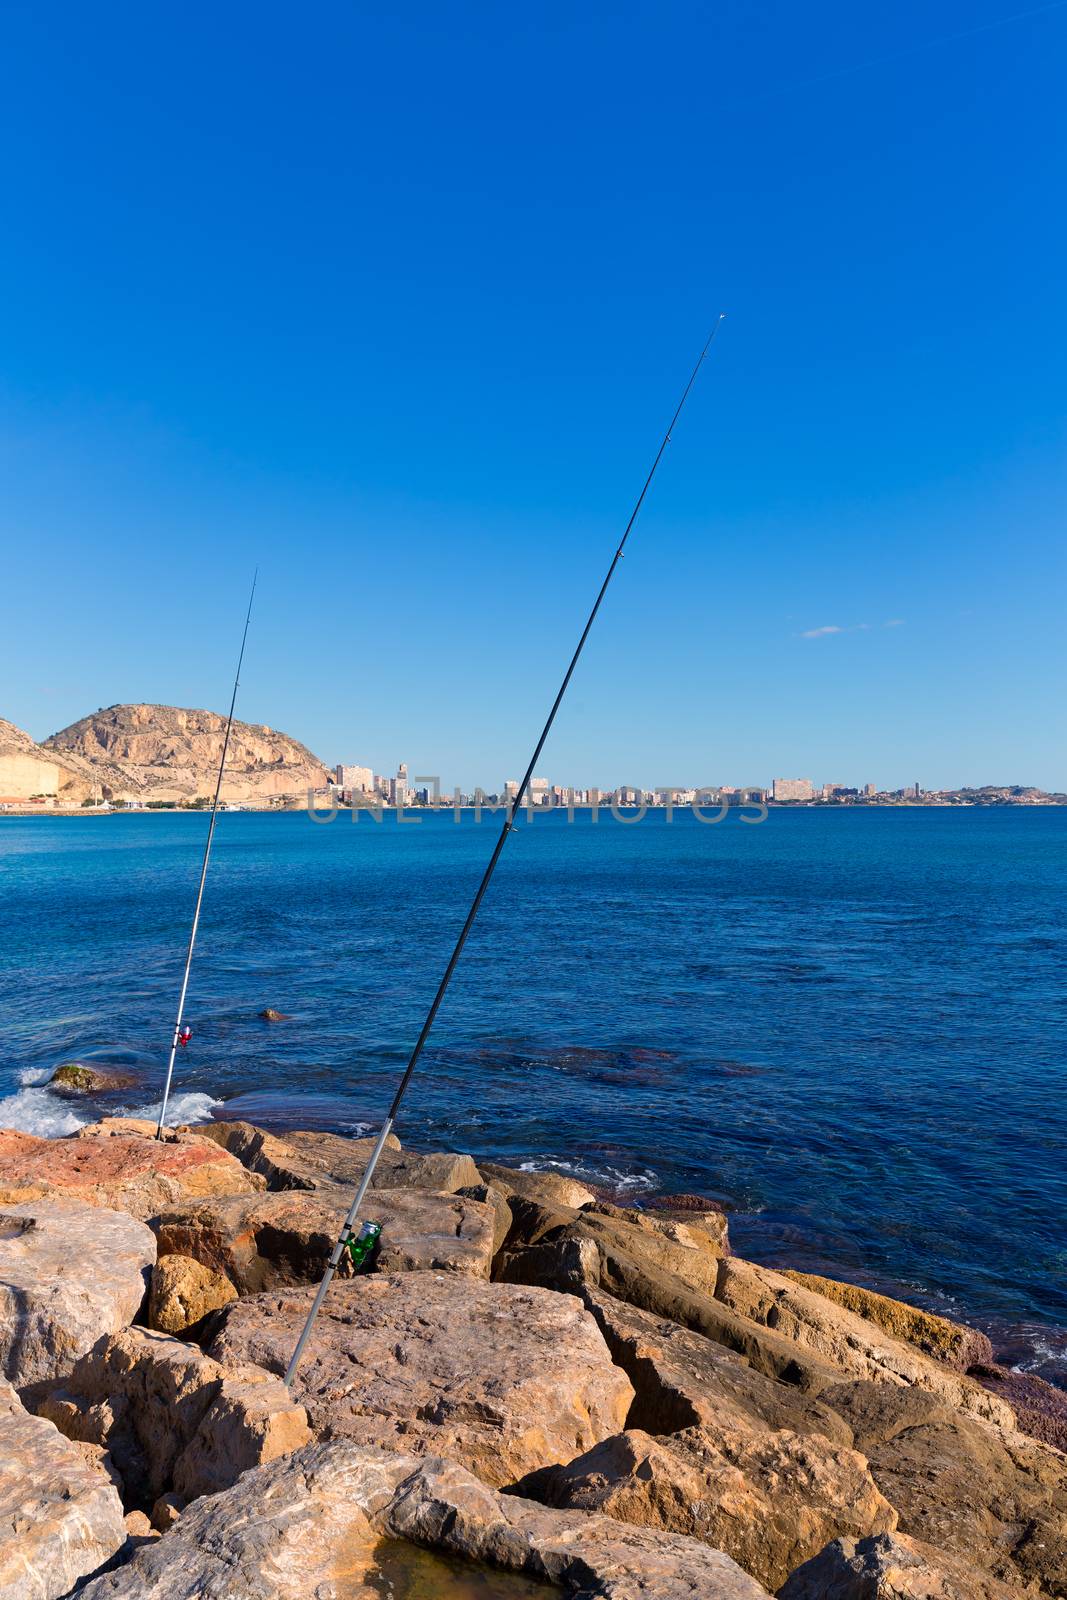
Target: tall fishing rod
[
  {"x": 179, "y": 1036},
  {"x": 509, "y": 823}
]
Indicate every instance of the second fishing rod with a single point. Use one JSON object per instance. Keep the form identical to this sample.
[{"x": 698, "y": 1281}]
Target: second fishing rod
[{"x": 362, "y": 1247}]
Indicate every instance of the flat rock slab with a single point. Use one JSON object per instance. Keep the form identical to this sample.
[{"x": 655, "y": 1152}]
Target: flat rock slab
[
  {"x": 310, "y": 1160},
  {"x": 121, "y": 1170},
  {"x": 836, "y": 1334},
  {"x": 309, "y": 1525},
  {"x": 503, "y": 1379},
  {"x": 173, "y": 1419},
  {"x": 265, "y": 1241},
  {"x": 60, "y": 1515},
  {"x": 890, "y": 1567},
  {"x": 68, "y": 1273}
]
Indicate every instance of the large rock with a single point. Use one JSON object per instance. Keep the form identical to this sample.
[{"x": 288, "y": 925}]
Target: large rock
[
  {"x": 121, "y": 1168},
  {"x": 849, "y": 1341},
  {"x": 173, "y": 1419},
  {"x": 951, "y": 1342},
  {"x": 576, "y": 1265},
  {"x": 314, "y": 1525},
  {"x": 766, "y": 1497},
  {"x": 265, "y": 1241},
  {"x": 60, "y": 1515},
  {"x": 499, "y": 1378},
  {"x": 996, "y": 1499},
  {"x": 68, "y": 1273},
  {"x": 310, "y": 1160},
  {"x": 890, "y": 1566},
  {"x": 184, "y": 1292},
  {"x": 682, "y": 1379},
  {"x": 650, "y": 1241}
]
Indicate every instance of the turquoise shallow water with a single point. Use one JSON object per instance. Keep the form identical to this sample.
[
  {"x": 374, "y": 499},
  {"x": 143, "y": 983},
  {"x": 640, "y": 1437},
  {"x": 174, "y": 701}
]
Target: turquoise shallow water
[{"x": 846, "y": 1025}]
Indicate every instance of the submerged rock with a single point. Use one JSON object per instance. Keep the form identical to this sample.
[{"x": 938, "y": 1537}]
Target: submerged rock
[
  {"x": 1040, "y": 1408},
  {"x": 60, "y": 1515},
  {"x": 68, "y": 1273},
  {"x": 75, "y": 1078},
  {"x": 849, "y": 1341},
  {"x": 310, "y": 1525},
  {"x": 117, "y": 1164},
  {"x": 951, "y": 1342},
  {"x": 890, "y": 1566},
  {"x": 263, "y": 1241},
  {"x": 184, "y": 1292},
  {"x": 173, "y": 1419},
  {"x": 499, "y": 1378},
  {"x": 269, "y": 1014}
]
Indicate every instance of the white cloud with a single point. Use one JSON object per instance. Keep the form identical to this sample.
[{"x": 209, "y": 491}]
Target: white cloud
[{"x": 855, "y": 627}]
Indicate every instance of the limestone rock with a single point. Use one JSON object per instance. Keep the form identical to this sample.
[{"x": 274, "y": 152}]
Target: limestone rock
[
  {"x": 996, "y": 1499},
  {"x": 490, "y": 1195},
  {"x": 167, "y": 1511},
  {"x": 766, "y": 1497},
  {"x": 60, "y": 1516},
  {"x": 183, "y": 1292},
  {"x": 118, "y": 1169},
  {"x": 559, "y": 1260},
  {"x": 850, "y": 1341},
  {"x": 309, "y": 1526},
  {"x": 682, "y": 1379},
  {"x": 890, "y": 1566},
  {"x": 503, "y": 1379},
  {"x": 313, "y": 1160},
  {"x": 171, "y": 753},
  {"x": 636, "y": 1239},
  {"x": 68, "y": 1273},
  {"x": 951, "y": 1342},
  {"x": 263, "y": 1241},
  {"x": 550, "y": 1189},
  {"x": 171, "y": 1417}
]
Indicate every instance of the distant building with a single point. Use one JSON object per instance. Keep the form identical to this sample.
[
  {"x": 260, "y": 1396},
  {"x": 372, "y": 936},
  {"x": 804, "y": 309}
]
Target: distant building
[
  {"x": 793, "y": 789},
  {"x": 401, "y": 791},
  {"x": 871, "y": 790},
  {"x": 355, "y": 780}
]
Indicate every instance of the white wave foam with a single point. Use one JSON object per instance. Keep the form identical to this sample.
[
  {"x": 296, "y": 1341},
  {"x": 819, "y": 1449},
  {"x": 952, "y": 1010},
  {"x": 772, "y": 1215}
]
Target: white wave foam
[
  {"x": 37, "y": 1111},
  {"x": 32, "y": 1075},
  {"x": 189, "y": 1107},
  {"x": 642, "y": 1182}
]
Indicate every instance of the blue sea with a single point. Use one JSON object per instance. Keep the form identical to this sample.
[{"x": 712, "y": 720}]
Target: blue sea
[{"x": 846, "y": 1026}]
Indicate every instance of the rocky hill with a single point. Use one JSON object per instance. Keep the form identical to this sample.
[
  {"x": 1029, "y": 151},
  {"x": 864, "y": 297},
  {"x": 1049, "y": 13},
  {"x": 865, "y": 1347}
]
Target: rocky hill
[
  {"x": 143, "y": 752},
  {"x": 28, "y": 769}
]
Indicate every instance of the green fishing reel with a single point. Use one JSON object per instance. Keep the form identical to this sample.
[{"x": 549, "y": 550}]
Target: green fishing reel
[{"x": 362, "y": 1246}]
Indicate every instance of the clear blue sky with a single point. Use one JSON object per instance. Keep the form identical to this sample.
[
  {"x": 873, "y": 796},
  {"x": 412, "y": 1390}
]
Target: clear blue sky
[{"x": 395, "y": 301}]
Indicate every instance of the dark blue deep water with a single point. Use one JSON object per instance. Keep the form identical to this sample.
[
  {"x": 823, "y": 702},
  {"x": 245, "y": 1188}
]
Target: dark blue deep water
[{"x": 846, "y": 1025}]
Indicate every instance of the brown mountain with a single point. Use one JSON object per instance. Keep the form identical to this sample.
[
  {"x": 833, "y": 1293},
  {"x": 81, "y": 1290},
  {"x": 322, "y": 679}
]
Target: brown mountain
[{"x": 143, "y": 752}]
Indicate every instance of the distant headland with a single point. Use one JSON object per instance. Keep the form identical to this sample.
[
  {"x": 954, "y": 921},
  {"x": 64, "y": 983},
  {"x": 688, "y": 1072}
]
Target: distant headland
[{"x": 164, "y": 758}]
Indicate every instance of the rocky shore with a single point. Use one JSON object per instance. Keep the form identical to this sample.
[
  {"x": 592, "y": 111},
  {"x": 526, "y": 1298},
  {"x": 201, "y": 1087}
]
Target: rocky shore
[{"x": 535, "y": 1393}]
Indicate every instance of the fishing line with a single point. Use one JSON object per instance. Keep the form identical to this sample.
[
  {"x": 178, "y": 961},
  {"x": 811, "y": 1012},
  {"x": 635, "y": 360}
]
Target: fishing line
[
  {"x": 181, "y": 1035},
  {"x": 509, "y": 822}
]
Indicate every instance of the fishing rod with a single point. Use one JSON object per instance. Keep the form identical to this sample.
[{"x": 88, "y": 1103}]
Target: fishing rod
[
  {"x": 361, "y": 1247},
  {"x": 181, "y": 1035}
]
